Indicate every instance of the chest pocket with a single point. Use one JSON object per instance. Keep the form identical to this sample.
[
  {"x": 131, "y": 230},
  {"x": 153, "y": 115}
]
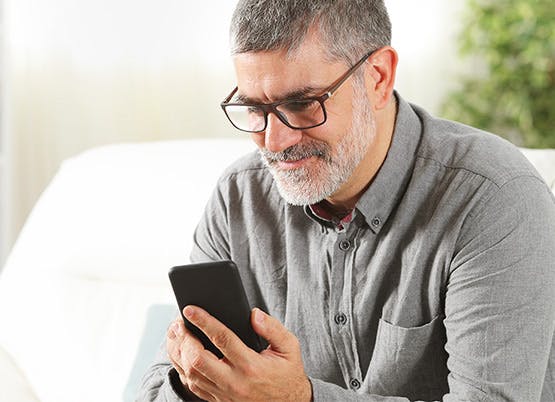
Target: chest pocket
[{"x": 409, "y": 362}]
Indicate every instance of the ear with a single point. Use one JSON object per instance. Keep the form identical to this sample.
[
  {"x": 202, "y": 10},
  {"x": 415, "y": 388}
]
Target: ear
[{"x": 380, "y": 76}]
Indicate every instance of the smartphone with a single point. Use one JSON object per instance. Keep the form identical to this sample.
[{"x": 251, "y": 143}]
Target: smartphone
[{"x": 217, "y": 288}]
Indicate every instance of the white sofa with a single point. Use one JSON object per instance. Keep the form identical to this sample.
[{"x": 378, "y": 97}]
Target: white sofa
[{"x": 84, "y": 295}]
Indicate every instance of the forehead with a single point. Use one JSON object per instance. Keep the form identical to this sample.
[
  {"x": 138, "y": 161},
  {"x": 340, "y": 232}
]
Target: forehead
[{"x": 272, "y": 75}]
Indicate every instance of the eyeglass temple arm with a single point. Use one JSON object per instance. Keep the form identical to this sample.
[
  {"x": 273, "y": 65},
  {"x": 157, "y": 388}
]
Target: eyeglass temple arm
[
  {"x": 226, "y": 100},
  {"x": 345, "y": 76}
]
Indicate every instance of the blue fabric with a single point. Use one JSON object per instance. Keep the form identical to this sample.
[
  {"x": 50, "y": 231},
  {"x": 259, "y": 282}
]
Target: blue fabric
[{"x": 158, "y": 318}]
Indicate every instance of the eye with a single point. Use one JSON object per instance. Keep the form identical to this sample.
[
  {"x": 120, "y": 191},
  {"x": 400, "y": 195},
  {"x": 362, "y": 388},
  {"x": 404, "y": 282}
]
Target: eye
[
  {"x": 254, "y": 110},
  {"x": 298, "y": 106}
]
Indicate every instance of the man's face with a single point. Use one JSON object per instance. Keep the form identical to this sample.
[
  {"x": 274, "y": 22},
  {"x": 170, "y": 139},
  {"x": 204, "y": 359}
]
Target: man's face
[{"x": 313, "y": 164}]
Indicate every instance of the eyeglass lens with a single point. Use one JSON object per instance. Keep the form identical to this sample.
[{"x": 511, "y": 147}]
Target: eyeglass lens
[{"x": 303, "y": 113}]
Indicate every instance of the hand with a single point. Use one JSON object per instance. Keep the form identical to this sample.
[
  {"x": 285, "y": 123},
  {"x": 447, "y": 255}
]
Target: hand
[
  {"x": 276, "y": 373},
  {"x": 174, "y": 338}
]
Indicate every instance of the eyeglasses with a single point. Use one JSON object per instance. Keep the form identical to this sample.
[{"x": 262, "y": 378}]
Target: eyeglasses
[{"x": 298, "y": 114}]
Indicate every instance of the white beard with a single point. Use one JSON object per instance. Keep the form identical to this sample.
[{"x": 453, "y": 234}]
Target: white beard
[{"x": 333, "y": 168}]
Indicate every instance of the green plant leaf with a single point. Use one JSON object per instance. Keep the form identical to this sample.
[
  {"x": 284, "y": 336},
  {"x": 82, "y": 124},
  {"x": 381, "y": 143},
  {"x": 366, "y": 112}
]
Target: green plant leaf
[{"x": 516, "y": 98}]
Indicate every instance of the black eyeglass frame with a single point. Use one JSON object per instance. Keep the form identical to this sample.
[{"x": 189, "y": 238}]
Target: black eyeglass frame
[{"x": 272, "y": 107}]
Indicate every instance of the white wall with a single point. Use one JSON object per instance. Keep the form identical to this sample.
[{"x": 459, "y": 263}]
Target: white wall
[
  {"x": 81, "y": 73},
  {"x": 424, "y": 34}
]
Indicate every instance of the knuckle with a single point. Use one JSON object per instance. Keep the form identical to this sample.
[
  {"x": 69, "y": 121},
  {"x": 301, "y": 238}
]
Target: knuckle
[
  {"x": 295, "y": 342},
  {"x": 188, "y": 372},
  {"x": 187, "y": 347},
  {"x": 180, "y": 371},
  {"x": 221, "y": 339},
  {"x": 173, "y": 360},
  {"x": 193, "y": 386},
  {"x": 197, "y": 362},
  {"x": 178, "y": 368},
  {"x": 249, "y": 370},
  {"x": 173, "y": 351},
  {"x": 174, "y": 327},
  {"x": 241, "y": 391}
]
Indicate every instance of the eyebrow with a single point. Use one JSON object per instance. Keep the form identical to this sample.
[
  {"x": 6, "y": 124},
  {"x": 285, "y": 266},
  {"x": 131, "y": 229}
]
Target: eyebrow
[{"x": 296, "y": 94}]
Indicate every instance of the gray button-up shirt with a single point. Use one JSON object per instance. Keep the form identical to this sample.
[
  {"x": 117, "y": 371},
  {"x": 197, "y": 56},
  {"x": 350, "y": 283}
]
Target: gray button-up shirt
[{"x": 442, "y": 286}]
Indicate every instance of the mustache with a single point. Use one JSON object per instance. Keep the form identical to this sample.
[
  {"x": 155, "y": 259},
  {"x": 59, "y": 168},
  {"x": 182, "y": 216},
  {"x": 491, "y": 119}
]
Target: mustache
[{"x": 297, "y": 152}]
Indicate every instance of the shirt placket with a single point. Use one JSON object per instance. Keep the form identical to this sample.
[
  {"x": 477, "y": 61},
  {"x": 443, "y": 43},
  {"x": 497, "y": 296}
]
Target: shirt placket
[{"x": 341, "y": 307}]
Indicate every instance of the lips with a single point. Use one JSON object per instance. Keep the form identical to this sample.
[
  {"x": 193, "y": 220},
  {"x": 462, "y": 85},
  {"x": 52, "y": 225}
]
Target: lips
[
  {"x": 296, "y": 159},
  {"x": 296, "y": 156},
  {"x": 292, "y": 163},
  {"x": 288, "y": 156}
]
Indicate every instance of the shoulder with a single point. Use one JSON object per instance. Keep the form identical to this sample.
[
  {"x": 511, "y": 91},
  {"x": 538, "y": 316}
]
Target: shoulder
[
  {"x": 250, "y": 163},
  {"x": 247, "y": 170},
  {"x": 248, "y": 180},
  {"x": 456, "y": 146}
]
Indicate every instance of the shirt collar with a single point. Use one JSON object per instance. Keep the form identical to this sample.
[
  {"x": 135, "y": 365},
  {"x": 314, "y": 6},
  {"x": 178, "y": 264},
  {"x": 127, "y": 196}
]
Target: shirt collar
[
  {"x": 389, "y": 184},
  {"x": 320, "y": 214}
]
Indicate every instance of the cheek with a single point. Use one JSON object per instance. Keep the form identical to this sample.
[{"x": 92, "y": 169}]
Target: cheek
[
  {"x": 258, "y": 139},
  {"x": 340, "y": 118},
  {"x": 336, "y": 127}
]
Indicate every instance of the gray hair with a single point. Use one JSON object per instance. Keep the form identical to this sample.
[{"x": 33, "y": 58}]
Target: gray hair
[{"x": 347, "y": 28}]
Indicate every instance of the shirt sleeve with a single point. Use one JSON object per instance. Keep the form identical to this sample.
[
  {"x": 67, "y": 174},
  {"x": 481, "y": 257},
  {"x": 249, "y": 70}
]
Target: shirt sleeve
[
  {"x": 500, "y": 298},
  {"x": 211, "y": 240}
]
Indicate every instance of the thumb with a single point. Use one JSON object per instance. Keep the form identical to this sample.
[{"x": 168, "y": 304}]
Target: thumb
[{"x": 279, "y": 338}]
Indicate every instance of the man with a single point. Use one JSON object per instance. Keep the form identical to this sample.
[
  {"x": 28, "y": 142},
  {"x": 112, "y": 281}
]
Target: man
[{"x": 398, "y": 256}]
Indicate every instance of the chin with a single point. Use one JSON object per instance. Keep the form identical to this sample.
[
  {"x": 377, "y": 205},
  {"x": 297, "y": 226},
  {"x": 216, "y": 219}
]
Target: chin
[{"x": 305, "y": 192}]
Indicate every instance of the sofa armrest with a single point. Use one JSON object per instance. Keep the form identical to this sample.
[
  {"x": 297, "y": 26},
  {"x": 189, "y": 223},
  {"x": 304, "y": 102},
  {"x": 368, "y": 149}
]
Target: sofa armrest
[
  {"x": 93, "y": 258},
  {"x": 544, "y": 162}
]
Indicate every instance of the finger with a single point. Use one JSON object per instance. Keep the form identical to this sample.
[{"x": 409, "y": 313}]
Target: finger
[
  {"x": 204, "y": 388},
  {"x": 177, "y": 329},
  {"x": 198, "y": 384},
  {"x": 225, "y": 339},
  {"x": 200, "y": 393},
  {"x": 279, "y": 338},
  {"x": 187, "y": 374},
  {"x": 174, "y": 338},
  {"x": 178, "y": 368},
  {"x": 198, "y": 361},
  {"x": 173, "y": 355},
  {"x": 177, "y": 333}
]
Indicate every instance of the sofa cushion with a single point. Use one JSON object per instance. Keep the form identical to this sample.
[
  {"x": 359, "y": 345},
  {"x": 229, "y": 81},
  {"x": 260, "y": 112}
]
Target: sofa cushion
[{"x": 544, "y": 161}]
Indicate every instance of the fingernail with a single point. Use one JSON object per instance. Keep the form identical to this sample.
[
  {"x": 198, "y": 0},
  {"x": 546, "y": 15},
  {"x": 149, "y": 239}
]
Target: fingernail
[
  {"x": 189, "y": 312},
  {"x": 259, "y": 316}
]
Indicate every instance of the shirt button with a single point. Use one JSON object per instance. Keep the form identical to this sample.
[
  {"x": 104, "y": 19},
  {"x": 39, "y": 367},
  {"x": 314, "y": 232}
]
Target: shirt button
[
  {"x": 376, "y": 222},
  {"x": 340, "y": 319},
  {"x": 355, "y": 384},
  {"x": 344, "y": 245}
]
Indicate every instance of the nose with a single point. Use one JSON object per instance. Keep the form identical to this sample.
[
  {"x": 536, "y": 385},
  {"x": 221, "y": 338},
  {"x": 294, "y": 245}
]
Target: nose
[{"x": 278, "y": 136}]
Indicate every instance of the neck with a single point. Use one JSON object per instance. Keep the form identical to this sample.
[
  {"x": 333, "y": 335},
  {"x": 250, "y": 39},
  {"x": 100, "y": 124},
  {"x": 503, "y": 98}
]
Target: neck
[
  {"x": 337, "y": 211},
  {"x": 348, "y": 195}
]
